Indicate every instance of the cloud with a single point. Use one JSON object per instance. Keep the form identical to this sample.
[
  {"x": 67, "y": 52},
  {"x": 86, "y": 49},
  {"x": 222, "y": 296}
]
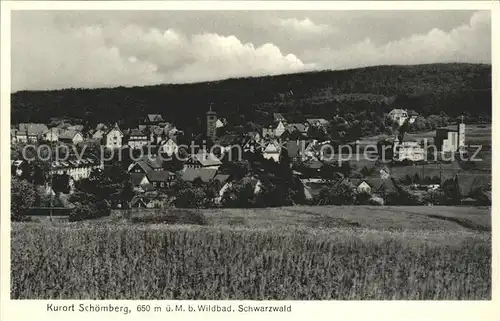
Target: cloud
[
  {"x": 466, "y": 43},
  {"x": 59, "y": 49},
  {"x": 113, "y": 55},
  {"x": 302, "y": 26}
]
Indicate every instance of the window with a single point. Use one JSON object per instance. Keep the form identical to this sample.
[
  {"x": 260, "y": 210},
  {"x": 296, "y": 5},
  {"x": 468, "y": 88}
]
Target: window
[{"x": 162, "y": 184}]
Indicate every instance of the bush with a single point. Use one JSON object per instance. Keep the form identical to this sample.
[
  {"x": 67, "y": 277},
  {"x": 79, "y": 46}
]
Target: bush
[
  {"x": 23, "y": 196},
  {"x": 88, "y": 208}
]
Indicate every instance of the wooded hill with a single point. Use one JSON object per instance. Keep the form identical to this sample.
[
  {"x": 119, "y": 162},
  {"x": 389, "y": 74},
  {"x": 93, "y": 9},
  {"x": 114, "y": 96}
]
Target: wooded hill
[{"x": 428, "y": 89}]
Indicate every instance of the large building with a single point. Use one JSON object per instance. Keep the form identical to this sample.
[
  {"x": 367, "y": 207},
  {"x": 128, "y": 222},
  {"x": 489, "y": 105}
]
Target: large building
[
  {"x": 408, "y": 150},
  {"x": 77, "y": 169},
  {"x": 450, "y": 140}
]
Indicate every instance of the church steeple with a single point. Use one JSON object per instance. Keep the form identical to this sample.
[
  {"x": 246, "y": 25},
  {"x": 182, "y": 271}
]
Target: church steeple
[{"x": 211, "y": 124}]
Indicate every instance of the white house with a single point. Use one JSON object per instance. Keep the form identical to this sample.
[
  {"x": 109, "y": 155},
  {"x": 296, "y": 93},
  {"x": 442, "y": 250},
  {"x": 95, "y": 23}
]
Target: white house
[
  {"x": 114, "y": 138},
  {"x": 168, "y": 147},
  {"x": 77, "y": 169},
  {"x": 274, "y": 130},
  {"x": 137, "y": 139},
  {"x": 30, "y": 132},
  {"x": 272, "y": 151},
  {"x": 220, "y": 123},
  {"x": 408, "y": 150}
]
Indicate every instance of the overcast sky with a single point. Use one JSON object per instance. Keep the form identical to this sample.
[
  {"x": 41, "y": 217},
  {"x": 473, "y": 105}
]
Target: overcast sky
[{"x": 60, "y": 49}]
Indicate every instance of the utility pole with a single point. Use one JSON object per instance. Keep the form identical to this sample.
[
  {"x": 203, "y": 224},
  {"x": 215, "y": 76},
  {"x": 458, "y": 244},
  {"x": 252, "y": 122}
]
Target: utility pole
[{"x": 50, "y": 173}]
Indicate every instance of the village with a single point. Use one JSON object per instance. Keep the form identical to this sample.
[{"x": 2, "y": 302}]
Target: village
[{"x": 314, "y": 165}]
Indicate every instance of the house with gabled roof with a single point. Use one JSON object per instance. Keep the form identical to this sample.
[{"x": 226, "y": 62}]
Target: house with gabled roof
[
  {"x": 272, "y": 150},
  {"x": 69, "y": 136},
  {"x": 114, "y": 138},
  {"x": 206, "y": 175},
  {"x": 137, "y": 139},
  {"x": 168, "y": 147},
  {"x": 278, "y": 117},
  {"x": 51, "y": 134},
  {"x": 274, "y": 129},
  {"x": 161, "y": 178},
  {"x": 203, "y": 159},
  {"x": 30, "y": 132}
]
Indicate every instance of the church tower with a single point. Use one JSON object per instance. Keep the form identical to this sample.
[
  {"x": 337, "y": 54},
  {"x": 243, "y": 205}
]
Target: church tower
[{"x": 211, "y": 124}]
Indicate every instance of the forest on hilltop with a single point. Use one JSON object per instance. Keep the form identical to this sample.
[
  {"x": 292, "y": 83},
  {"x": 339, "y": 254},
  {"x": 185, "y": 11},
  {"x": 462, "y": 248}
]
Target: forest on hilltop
[{"x": 454, "y": 89}]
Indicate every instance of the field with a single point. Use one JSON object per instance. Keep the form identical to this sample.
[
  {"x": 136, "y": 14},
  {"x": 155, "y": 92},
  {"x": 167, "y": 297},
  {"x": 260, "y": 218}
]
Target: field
[{"x": 283, "y": 253}]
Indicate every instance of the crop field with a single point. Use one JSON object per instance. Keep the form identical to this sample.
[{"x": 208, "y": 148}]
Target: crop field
[{"x": 296, "y": 253}]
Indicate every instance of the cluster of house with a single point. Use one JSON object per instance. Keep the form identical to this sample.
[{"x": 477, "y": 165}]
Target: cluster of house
[{"x": 151, "y": 173}]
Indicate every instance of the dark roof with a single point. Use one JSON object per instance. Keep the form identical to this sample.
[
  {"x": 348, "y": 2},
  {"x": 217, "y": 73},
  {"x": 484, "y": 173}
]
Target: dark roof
[
  {"x": 155, "y": 118},
  {"x": 278, "y": 116},
  {"x": 293, "y": 149},
  {"x": 221, "y": 178},
  {"x": 68, "y": 134},
  {"x": 229, "y": 140},
  {"x": 159, "y": 176},
  {"x": 137, "y": 132},
  {"x": 297, "y": 126},
  {"x": 205, "y": 174},
  {"x": 313, "y": 164}
]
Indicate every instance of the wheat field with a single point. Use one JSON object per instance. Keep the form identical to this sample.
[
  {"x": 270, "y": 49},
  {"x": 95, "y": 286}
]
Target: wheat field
[{"x": 200, "y": 262}]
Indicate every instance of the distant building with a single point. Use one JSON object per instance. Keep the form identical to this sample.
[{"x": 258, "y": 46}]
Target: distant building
[
  {"x": 168, "y": 147},
  {"x": 298, "y": 127},
  {"x": 211, "y": 124},
  {"x": 202, "y": 159},
  {"x": 77, "y": 169},
  {"x": 450, "y": 140},
  {"x": 137, "y": 139},
  {"x": 70, "y": 136},
  {"x": 99, "y": 135},
  {"x": 220, "y": 123},
  {"x": 153, "y": 119},
  {"x": 278, "y": 117},
  {"x": 272, "y": 151},
  {"x": 114, "y": 138},
  {"x": 275, "y": 129},
  {"x": 317, "y": 122},
  {"x": 51, "y": 135},
  {"x": 30, "y": 132},
  {"x": 204, "y": 174},
  {"x": 408, "y": 150}
]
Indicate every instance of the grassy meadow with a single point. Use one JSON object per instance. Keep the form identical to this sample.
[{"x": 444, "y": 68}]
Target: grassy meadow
[{"x": 294, "y": 253}]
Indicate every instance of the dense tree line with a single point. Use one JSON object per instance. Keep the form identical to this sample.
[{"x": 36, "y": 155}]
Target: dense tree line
[{"x": 428, "y": 89}]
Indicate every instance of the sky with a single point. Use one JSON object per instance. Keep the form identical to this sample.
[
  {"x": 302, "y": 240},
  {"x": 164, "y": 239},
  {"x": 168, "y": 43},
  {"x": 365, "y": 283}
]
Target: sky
[{"x": 91, "y": 49}]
